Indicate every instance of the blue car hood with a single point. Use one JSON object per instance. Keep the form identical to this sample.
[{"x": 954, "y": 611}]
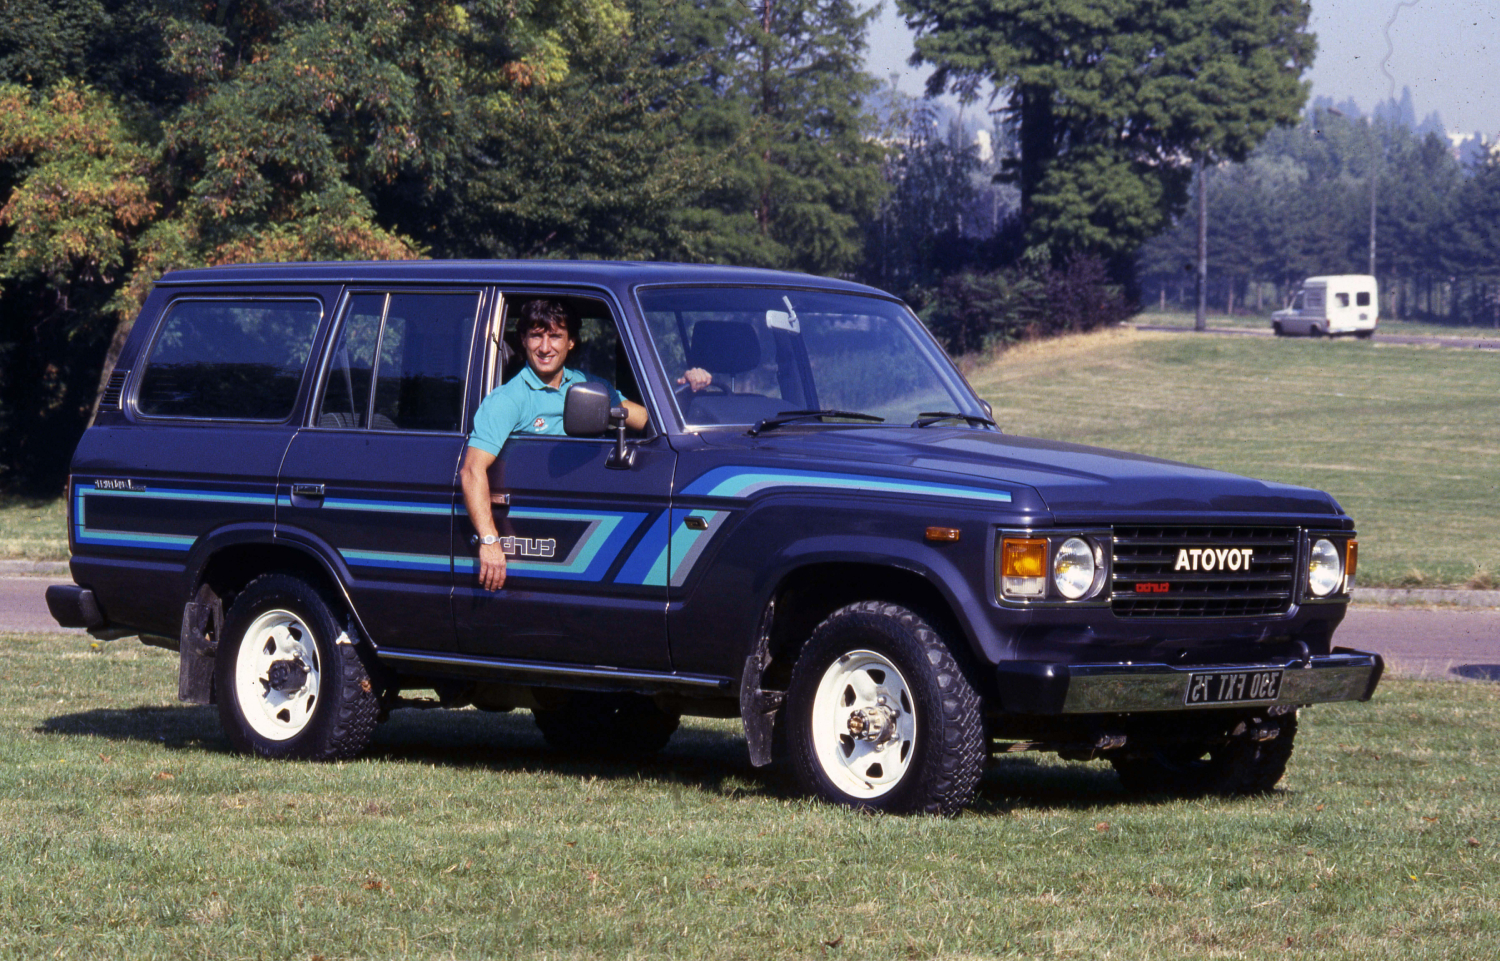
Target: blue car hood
[{"x": 1072, "y": 480}]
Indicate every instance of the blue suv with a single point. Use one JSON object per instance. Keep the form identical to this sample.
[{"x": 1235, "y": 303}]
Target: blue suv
[{"x": 823, "y": 533}]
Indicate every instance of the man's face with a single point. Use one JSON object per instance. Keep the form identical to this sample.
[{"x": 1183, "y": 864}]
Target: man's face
[{"x": 547, "y": 350}]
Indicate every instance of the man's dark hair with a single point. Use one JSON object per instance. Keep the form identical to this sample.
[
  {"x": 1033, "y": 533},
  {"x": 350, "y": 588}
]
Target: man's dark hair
[{"x": 546, "y": 313}]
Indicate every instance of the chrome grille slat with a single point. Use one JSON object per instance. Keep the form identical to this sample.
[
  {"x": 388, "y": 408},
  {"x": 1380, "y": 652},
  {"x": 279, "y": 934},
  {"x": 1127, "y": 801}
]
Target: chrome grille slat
[{"x": 1148, "y": 554}]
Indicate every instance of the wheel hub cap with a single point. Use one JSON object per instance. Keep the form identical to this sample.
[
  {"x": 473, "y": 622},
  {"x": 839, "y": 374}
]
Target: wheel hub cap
[{"x": 876, "y": 723}]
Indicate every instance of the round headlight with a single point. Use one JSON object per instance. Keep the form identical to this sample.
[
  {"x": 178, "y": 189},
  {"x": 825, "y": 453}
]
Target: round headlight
[
  {"x": 1325, "y": 570},
  {"x": 1073, "y": 568}
]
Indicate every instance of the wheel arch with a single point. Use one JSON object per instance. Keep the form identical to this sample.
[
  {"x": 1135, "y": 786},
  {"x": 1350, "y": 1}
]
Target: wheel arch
[
  {"x": 802, "y": 599},
  {"x": 222, "y": 568}
]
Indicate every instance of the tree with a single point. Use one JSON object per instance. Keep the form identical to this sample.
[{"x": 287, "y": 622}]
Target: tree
[
  {"x": 781, "y": 98},
  {"x": 78, "y": 193},
  {"x": 1113, "y": 102}
]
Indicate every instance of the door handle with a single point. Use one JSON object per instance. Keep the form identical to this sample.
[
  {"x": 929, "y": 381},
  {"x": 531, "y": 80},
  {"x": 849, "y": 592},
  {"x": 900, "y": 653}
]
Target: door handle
[{"x": 307, "y": 495}]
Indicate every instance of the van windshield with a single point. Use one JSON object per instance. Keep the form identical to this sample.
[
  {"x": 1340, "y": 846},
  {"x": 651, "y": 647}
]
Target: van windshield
[{"x": 772, "y": 351}]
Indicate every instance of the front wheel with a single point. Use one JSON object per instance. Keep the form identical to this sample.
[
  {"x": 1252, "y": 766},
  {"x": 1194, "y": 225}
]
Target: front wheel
[
  {"x": 290, "y": 683},
  {"x": 880, "y": 715},
  {"x": 1250, "y": 763}
]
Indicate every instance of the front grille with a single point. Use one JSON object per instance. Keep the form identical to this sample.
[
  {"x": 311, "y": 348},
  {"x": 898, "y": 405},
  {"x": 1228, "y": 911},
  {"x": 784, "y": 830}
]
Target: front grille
[{"x": 1149, "y": 580}]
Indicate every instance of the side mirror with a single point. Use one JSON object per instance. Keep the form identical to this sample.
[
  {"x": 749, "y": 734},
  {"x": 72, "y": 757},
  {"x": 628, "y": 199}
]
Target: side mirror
[{"x": 586, "y": 413}]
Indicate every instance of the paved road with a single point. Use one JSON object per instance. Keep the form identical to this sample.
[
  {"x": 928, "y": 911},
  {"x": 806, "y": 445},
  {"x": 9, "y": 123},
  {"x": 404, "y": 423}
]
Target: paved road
[
  {"x": 1420, "y": 643},
  {"x": 1473, "y": 343}
]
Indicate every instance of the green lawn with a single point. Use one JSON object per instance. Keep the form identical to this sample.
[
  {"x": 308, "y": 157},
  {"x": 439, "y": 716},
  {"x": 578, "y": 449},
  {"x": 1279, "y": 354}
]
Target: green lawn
[
  {"x": 128, "y": 831},
  {"x": 34, "y": 530},
  {"x": 1407, "y": 438}
]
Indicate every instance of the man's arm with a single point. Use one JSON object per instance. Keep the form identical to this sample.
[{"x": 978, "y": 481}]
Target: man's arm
[
  {"x": 475, "y": 478},
  {"x": 635, "y": 415}
]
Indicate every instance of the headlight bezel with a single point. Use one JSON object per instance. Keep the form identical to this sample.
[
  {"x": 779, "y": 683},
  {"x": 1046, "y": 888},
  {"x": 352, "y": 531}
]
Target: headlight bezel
[
  {"x": 1007, "y": 591},
  {"x": 1343, "y": 551}
]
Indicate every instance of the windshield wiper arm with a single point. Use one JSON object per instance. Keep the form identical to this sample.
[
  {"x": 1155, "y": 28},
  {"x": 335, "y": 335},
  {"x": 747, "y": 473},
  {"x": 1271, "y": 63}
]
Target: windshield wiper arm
[
  {"x": 800, "y": 416},
  {"x": 938, "y": 416}
]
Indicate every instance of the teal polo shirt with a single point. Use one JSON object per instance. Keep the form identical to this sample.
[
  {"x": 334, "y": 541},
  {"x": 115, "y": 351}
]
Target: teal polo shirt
[{"x": 525, "y": 405}]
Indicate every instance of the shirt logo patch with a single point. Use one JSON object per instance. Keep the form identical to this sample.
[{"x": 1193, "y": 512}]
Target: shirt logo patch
[{"x": 539, "y": 424}]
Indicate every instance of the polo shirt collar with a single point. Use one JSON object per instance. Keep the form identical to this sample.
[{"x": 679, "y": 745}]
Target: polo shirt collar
[{"x": 569, "y": 378}]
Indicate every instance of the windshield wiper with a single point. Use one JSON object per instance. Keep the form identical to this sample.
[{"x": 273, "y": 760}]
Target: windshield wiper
[
  {"x": 938, "y": 416},
  {"x": 801, "y": 416}
]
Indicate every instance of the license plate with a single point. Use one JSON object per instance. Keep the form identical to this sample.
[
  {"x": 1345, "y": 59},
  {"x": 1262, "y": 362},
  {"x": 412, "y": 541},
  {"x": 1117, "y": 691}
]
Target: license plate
[{"x": 1233, "y": 687}]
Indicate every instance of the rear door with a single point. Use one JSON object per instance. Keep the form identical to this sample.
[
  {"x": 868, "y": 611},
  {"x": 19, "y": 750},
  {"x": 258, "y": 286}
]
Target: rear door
[{"x": 371, "y": 481}]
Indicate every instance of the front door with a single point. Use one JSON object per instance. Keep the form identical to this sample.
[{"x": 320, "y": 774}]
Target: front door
[{"x": 585, "y": 543}]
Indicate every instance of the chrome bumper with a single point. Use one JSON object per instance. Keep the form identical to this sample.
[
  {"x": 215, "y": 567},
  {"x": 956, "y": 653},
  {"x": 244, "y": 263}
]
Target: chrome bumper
[{"x": 1033, "y": 687}]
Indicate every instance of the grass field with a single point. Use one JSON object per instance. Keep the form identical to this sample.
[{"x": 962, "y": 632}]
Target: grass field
[
  {"x": 1407, "y": 438},
  {"x": 127, "y": 830},
  {"x": 34, "y": 530}
]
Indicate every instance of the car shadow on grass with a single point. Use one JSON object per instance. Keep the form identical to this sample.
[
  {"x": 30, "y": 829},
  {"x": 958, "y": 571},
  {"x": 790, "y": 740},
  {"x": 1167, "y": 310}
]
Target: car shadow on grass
[
  {"x": 710, "y": 758},
  {"x": 714, "y": 761},
  {"x": 1478, "y": 672}
]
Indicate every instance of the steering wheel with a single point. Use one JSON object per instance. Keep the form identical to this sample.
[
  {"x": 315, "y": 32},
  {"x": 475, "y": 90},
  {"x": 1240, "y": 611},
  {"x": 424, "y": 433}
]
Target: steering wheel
[{"x": 685, "y": 394}]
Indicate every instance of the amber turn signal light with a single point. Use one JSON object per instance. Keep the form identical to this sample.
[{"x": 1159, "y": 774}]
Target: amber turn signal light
[
  {"x": 1023, "y": 566},
  {"x": 942, "y": 534}
]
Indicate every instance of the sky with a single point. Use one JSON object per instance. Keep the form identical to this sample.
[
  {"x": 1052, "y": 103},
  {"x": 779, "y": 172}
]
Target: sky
[{"x": 1446, "y": 51}]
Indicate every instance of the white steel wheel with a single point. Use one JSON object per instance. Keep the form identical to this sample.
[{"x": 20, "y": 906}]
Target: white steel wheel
[
  {"x": 864, "y": 724},
  {"x": 880, "y": 716},
  {"x": 276, "y": 675}
]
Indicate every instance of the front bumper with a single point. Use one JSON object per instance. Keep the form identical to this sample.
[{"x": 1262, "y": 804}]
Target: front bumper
[{"x": 1035, "y": 687}]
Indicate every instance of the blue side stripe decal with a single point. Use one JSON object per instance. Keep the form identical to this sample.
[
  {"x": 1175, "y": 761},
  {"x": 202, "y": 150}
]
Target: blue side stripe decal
[
  {"x": 648, "y": 562},
  {"x": 745, "y": 481},
  {"x": 590, "y": 560},
  {"x": 83, "y": 534}
]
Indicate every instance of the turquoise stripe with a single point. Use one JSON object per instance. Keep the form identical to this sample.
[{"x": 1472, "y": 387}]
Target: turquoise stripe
[
  {"x": 744, "y": 481},
  {"x": 182, "y": 495},
  {"x": 423, "y": 562}
]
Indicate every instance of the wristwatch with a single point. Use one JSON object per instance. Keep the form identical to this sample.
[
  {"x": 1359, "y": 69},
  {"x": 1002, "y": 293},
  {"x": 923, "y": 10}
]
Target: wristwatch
[{"x": 486, "y": 540}]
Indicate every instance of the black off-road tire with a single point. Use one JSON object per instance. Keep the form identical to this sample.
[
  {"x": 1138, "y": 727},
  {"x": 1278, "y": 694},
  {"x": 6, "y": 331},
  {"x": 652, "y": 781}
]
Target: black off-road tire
[
  {"x": 1236, "y": 768},
  {"x": 606, "y": 726},
  {"x": 283, "y": 628},
  {"x": 886, "y": 663}
]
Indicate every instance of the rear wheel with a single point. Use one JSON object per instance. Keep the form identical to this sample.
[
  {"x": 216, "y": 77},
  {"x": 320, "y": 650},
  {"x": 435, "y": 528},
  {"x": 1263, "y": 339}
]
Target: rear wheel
[
  {"x": 1364, "y": 334},
  {"x": 1250, "y": 763},
  {"x": 1277, "y": 329},
  {"x": 290, "y": 683},
  {"x": 880, "y": 716}
]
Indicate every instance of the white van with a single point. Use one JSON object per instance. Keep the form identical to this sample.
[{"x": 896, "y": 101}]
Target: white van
[{"x": 1332, "y": 305}]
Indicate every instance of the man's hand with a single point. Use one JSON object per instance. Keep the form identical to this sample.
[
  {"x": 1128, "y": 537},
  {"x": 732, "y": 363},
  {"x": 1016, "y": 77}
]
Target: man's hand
[
  {"x": 697, "y": 378},
  {"x": 491, "y": 567}
]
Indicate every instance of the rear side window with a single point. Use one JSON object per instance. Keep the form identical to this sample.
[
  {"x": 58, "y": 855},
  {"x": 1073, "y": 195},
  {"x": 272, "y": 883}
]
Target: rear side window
[
  {"x": 1362, "y": 298},
  {"x": 229, "y": 359},
  {"x": 399, "y": 362}
]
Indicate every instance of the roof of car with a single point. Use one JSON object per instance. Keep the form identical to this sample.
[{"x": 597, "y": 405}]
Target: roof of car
[{"x": 614, "y": 274}]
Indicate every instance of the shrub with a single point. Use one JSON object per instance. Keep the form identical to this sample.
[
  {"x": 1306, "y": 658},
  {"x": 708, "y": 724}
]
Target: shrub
[{"x": 985, "y": 311}]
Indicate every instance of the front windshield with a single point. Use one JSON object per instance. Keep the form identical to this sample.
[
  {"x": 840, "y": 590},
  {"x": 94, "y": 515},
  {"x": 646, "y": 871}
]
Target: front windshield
[{"x": 771, "y": 351}]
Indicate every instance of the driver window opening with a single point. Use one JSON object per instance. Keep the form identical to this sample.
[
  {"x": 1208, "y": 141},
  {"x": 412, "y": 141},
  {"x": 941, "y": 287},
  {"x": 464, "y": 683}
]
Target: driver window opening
[{"x": 598, "y": 351}]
